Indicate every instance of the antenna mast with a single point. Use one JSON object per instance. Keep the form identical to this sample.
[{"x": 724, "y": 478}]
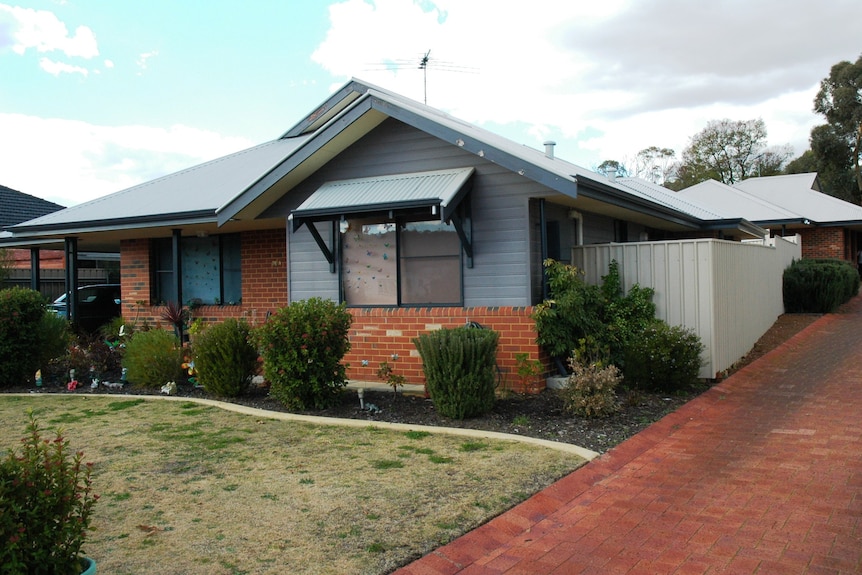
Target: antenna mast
[{"x": 423, "y": 65}]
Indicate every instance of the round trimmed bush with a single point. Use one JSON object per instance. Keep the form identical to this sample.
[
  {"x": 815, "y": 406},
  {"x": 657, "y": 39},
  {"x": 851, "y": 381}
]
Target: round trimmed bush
[{"x": 302, "y": 347}]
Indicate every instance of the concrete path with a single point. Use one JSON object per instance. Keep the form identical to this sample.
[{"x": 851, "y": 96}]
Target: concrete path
[{"x": 762, "y": 474}]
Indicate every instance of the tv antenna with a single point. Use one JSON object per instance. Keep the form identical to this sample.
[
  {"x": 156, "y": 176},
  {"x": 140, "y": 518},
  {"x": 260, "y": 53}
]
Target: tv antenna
[{"x": 425, "y": 62}]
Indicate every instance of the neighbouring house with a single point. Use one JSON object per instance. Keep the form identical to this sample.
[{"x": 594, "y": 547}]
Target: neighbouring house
[
  {"x": 17, "y": 207},
  {"x": 50, "y": 265},
  {"x": 787, "y": 205},
  {"x": 413, "y": 218}
]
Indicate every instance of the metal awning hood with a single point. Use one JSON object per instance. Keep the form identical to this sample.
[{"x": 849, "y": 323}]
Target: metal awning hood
[{"x": 441, "y": 189}]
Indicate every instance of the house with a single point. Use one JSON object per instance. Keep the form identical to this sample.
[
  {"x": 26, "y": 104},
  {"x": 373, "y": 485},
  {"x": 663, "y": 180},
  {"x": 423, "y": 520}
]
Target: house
[
  {"x": 789, "y": 204},
  {"x": 414, "y": 218},
  {"x": 17, "y": 207},
  {"x": 50, "y": 265}
]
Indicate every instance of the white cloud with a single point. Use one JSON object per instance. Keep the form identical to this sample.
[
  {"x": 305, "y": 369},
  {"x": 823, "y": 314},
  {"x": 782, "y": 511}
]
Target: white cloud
[
  {"x": 69, "y": 162},
  {"x": 43, "y": 31},
  {"x": 144, "y": 59},
  {"x": 602, "y": 79},
  {"x": 57, "y": 68}
]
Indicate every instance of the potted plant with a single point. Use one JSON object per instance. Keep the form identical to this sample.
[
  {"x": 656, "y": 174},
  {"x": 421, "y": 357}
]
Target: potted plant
[{"x": 45, "y": 506}]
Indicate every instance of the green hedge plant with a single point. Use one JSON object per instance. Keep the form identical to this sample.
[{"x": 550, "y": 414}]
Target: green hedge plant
[
  {"x": 21, "y": 312},
  {"x": 303, "y": 346},
  {"x": 818, "y": 285},
  {"x": 225, "y": 359},
  {"x": 665, "y": 358},
  {"x": 597, "y": 322},
  {"x": 459, "y": 366},
  {"x": 153, "y": 358}
]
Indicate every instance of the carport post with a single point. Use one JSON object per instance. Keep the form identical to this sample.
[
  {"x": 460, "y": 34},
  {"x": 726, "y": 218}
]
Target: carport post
[
  {"x": 71, "y": 245},
  {"x": 35, "y": 270}
]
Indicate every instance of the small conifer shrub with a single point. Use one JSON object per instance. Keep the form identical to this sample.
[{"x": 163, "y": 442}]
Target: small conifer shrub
[
  {"x": 459, "y": 366},
  {"x": 225, "y": 359}
]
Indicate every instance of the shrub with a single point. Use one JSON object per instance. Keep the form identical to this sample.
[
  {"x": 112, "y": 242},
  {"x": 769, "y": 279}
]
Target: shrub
[
  {"x": 597, "y": 321},
  {"x": 302, "y": 347},
  {"x": 818, "y": 285},
  {"x": 459, "y": 366},
  {"x": 45, "y": 506},
  {"x": 55, "y": 336},
  {"x": 88, "y": 356},
  {"x": 625, "y": 316},
  {"x": 21, "y": 312},
  {"x": 225, "y": 360},
  {"x": 572, "y": 312},
  {"x": 665, "y": 358},
  {"x": 153, "y": 358},
  {"x": 591, "y": 389}
]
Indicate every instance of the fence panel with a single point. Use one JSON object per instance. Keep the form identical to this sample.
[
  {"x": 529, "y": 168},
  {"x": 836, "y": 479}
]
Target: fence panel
[{"x": 729, "y": 293}]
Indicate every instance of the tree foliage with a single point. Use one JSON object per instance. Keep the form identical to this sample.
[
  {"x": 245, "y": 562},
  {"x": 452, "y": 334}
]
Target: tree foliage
[
  {"x": 608, "y": 166},
  {"x": 838, "y": 146},
  {"x": 729, "y": 151},
  {"x": 653, "y": 164}
]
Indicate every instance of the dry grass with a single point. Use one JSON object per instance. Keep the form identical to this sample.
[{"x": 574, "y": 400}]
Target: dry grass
[{"x": 194, "y": 489}]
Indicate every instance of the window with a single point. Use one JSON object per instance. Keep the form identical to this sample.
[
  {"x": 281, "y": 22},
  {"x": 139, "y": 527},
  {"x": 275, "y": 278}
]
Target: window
[
  {"x": 416, "y": 263},
  {"x": 211, "y": 270}
]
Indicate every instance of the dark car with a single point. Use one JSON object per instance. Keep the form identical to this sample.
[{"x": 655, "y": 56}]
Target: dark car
[{"x": 97, "y": 305}]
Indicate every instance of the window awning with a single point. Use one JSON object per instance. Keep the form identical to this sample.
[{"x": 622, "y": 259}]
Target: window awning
[{"x": 440, "y": 191}]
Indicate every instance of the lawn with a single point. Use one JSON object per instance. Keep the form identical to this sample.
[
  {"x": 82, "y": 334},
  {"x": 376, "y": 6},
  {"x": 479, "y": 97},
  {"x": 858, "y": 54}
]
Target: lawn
[{"x": 194, "y": 489}]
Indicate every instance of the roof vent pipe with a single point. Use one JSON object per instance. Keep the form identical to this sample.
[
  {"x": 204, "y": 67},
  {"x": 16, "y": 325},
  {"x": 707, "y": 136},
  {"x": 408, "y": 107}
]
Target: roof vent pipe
[
  {"x": 549, "y": 149},
  {"x": 612, "y": 173}
]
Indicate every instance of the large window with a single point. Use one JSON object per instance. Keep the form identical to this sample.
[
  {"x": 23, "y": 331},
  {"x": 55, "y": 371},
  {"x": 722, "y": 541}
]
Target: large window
[
  {"x": 416, "y": 263},
  {"x": 211, "y": 270}
]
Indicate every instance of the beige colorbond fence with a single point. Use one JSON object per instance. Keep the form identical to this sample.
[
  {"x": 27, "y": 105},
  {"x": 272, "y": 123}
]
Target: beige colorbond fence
[{"x": 729, "y": 293}]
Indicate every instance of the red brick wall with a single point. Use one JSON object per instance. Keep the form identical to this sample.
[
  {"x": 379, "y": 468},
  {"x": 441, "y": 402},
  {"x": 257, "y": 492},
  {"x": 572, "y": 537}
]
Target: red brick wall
[
  {"x": 378, "y": 333},
  {"x": 48, "y": 259},
  {"x": 264, "y": 280},
  {"x": 825, "y": 243}
]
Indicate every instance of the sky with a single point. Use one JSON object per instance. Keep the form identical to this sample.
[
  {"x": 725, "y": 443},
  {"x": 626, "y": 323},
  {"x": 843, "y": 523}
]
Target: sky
[{"x": 98, "y": 96}]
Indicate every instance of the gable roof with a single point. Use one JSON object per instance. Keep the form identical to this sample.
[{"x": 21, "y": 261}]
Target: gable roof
[
  {"x": 727, "y": 200},
  {"x": 234, "y": 191},
  {"x": 17, "y": 207},
  {"x": 801, "y": 194}
]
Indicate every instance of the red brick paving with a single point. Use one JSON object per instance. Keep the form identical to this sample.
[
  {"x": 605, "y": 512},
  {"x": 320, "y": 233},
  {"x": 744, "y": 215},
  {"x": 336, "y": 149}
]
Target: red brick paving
[{"x": 760, "y": 475}]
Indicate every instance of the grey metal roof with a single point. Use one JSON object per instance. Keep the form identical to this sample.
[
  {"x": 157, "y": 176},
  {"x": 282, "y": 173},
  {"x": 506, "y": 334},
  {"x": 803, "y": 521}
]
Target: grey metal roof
[
  {"x": 730, "y": 201},
  {"x": 418, "y": 189},
  {"x": 367, "y": 101},
  {"x": 198, "y": 190},
  {"x": 796, "y": 192},
  {"x": 673, "y": 199},
  {"x": 241, "y": 185}
]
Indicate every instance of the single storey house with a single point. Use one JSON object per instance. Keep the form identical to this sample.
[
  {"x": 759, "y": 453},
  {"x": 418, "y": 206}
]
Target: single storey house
[
  {"x": 413, "y": 218},
  {"x": 787, "y": 205}
]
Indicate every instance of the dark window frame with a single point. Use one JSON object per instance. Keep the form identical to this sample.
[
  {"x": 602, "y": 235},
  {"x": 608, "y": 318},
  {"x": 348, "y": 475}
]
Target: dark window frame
[{"x": 162, "y": 270}]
